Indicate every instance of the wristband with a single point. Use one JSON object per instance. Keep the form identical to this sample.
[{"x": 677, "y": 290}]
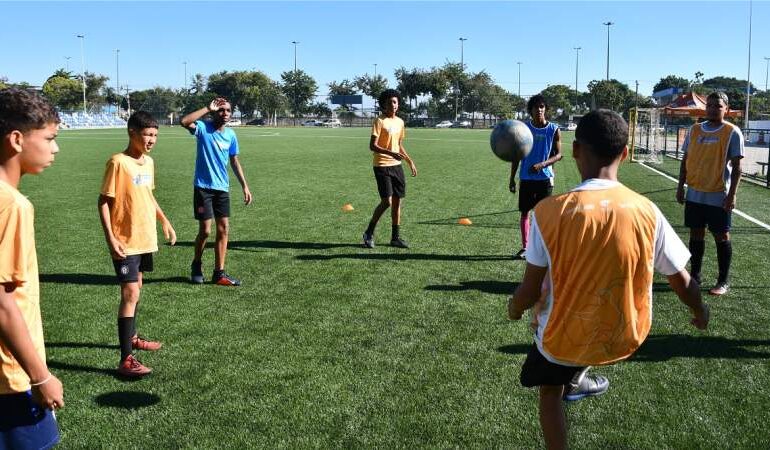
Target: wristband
[{"x": 40, "y": 383}]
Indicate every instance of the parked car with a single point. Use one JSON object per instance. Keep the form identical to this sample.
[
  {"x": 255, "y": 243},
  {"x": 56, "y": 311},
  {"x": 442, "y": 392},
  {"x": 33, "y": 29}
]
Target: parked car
[
  {"x": 461, "y": 124},
  {"x": 570, "y": 126},
  {"x": 312, "y": 123},
  {"x": 234, "y": 123},
  {"x": 258, "y": 122},
  {"x": 332, "y": 123},
  {"x": 444, "y": 124}
]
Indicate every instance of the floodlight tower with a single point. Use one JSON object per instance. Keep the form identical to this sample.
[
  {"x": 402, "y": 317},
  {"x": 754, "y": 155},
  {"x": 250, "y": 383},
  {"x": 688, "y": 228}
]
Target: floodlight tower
[
  {"x": 117, "y": 72},
  {"x": 68, "y": 62},
  {"x": 82, "y": 38},
  {"x": 462, "y": 70},
  {"x": 577, "y": 64},
  {"x": 184, "y": 85},
  {"x": 519, "y": 63},
  {"x": 608, "y": 25}
]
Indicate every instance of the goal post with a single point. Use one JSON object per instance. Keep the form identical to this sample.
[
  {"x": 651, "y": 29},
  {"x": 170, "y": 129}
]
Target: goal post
[{"x": 646, "y": 135}]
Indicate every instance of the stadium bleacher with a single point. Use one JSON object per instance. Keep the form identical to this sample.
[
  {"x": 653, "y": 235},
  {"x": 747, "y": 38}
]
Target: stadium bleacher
[{"x": 78, "y": 120}]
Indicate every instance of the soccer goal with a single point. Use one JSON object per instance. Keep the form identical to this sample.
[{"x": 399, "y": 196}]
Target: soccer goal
[{"x": 647, "y": 137}]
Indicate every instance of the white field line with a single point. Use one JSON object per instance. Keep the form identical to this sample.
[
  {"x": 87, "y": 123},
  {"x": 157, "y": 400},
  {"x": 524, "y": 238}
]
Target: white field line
[{"x": 736, "y": 211}]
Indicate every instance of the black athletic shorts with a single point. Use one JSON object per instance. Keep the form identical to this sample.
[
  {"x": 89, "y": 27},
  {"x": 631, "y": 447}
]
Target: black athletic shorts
[
  {"x": 127, "y": 270},
  {"x": 699, "y": 215},
  {"x": 390, "y": 181},
  {"x": 538, "y": 371},
  {"x": 208, "y": 203},
  {"x": 531, "y": 192}
]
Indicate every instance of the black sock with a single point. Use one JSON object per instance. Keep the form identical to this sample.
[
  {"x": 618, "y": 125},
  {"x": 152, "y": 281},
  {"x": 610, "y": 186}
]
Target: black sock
[
  {"x": 724, "y": 258},
  {"x": 696, "y": 249},
  {"x": 125, "y": 327},
  {"x": 370, "y": 228},
  {"x": 394, "y": 234}
]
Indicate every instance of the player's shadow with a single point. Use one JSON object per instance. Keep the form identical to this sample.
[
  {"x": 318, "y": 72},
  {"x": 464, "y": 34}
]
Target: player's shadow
[
  {"x": 486, "y": 286},
  {"x": 79, "y": 345},
  {"x": 127, "y": 400},
  {"x": 683, "y": 230},
  {"x": 249, "y": 245},
  {"x": 452, "y": 221},
  {"x": 98, "y": 279},
  {"x": 659, "y": 348},
  {"x": 657, "y": 191},
  {"x": 404, "y": 257}
]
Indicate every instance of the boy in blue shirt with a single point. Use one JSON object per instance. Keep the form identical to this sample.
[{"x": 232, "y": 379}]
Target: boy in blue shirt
[
  {"x": 536, "y": 174},
  {"x": 216, "y": 145}
]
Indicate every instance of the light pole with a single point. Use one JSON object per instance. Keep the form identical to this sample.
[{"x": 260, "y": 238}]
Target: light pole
[
  {"x": 519, "y": 64},
  {"x": 375, "y": 71},
  {"x": 462, "y": 69},
  {"x": 748, "y": 77},
  {"x": 767, "y": 60},
  {"x": 577, "y": 64},
  {"x": 295, "y": 54},
  {"x": 68, "y": 62},
  {"x": 117, "y": 75},
  {"x": 82, "y": 38},
  {"x": 296, "y": 79},
  {"x": 608, "y": 25},
  {"x": 184, "y": 85}
]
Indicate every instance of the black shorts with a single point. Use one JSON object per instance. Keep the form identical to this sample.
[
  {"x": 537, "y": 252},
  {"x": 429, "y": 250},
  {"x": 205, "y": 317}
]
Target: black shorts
[
  {"x": 390, "y": 181},
  {"x": 208, "y": 203},
  {"x": 538, "y": 371},
  {"x": 127, "y": 270},
  {"x": 699, "y": 215},
  {"x": 531, "y": 192}
]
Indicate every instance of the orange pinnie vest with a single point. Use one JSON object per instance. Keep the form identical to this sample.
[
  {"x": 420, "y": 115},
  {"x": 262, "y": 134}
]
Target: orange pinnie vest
[
  {"x": 601, "y": 248},
  {"x": 707, "y": 157}
]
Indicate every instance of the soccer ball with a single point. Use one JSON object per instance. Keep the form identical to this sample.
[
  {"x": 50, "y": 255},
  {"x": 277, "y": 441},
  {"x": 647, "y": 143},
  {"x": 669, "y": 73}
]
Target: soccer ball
[{"x": 511, "y": 140}]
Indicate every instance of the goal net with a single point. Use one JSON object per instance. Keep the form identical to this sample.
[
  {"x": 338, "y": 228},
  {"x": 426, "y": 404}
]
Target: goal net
[{"x": 646, "y": 135}]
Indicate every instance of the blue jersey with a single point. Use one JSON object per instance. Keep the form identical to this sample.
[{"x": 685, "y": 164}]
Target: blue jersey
[
  {"x": 541, "y": 150},
  {"x": 214, "y": 151}
]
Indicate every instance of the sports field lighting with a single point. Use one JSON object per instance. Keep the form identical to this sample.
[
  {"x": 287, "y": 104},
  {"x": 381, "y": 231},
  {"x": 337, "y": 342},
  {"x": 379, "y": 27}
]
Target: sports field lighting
[
  {"x": 577, "y": 64},
  {"x": 117, "y": 72},
  {"x": 82, "y": 38},
  {"x": 519, "y": 63},
  {"x": 462, "y": 69},
  {"x": 375, "y": 70},
  {"x": 295, "y": 54},
  {"x": 608, "y": 25},
  {"x": 748, "y": 77},
  {"x": 68, "y": 62},
  {"x": 184, "y": 85}
]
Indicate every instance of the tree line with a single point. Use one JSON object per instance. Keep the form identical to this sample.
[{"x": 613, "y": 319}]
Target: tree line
[{"x": 442, "y": 92}]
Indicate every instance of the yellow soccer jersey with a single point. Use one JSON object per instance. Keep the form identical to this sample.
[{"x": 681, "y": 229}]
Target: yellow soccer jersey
[
  {"x": 707, "y": 157},
  {"x": 388, "y": 133},
  {"x": 133, "y": 212},
  {"x": 18, "y": 266},
  {"x": 601, "y": 243}
]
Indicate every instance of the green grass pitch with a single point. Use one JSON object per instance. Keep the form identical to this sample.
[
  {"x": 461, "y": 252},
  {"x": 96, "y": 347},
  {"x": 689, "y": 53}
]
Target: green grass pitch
[{"x": 328, "y": 344}]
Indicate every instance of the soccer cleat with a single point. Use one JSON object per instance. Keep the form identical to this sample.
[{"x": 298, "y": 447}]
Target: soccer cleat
[
  {"x": 196, "y": 273},
  {"x": 368, "y": 240},
  {"x": 720, "y": 289},
  {"x": 222, "y": 279},
  {"x": 131, "y": 367},
  {"x": 584, "y": 385},
  {"x": 138, "y": 343},
  {"x": 521, "y": 254},
  {"x": 696, "y": 277},
  {"x": 398, "y": 242}
]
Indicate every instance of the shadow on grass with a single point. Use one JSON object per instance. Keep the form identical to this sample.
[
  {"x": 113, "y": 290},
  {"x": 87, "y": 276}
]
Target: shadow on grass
[
  {"x": 79, "y": 345},
  {"x": 405, "y": 257},
  {"x": 242, "y": 245},
  {"x": 681, "y": 229},
  {"x": 659, "y": 348},
  {"x": 99, "y": 279},
  {"x": 452, "y": 221},
  {"x": 127, "y": 400},
  {"x": 658, "y": 191},
  {"x": 488, "y": 286}
]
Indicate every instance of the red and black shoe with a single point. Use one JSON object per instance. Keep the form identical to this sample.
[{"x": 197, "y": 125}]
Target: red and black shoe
[
  {"x": 223, "y": 279},
  {"x": 138, "y": 343},
  {"x": 132, "y": 368}
]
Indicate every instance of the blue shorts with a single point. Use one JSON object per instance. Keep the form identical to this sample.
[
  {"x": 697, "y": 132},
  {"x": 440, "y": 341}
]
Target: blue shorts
[
  {"x": 699, "y": 215},
  {"x": 26, "y": 425}
]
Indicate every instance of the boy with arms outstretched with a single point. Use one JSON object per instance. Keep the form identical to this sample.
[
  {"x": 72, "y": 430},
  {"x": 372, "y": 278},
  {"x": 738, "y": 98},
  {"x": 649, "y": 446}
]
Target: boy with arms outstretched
[
  {"x": 535, "y": 170},
  {"x": 216, "y": 145},
  {"x": 28, "y": 391},
  {"x": 387, "y": 147},
  {"x": 128, "y": 212},
  {"x": 596, "y": 247}
]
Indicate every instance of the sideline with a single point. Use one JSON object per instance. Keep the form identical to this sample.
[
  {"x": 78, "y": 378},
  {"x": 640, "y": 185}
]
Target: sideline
[{"x": 736, "y": 211}]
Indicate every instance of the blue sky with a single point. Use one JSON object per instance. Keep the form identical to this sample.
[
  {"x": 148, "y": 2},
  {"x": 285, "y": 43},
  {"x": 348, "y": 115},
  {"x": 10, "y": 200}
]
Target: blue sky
[{"x": 340, "y": 40}]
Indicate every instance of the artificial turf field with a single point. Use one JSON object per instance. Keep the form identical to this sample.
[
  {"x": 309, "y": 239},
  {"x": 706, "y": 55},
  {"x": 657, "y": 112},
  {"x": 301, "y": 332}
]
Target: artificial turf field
[{"x": 328, "y": 344}]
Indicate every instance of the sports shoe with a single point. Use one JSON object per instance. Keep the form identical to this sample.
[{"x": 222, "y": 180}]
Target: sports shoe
[
  {"x": 368, "y": 240},
  {"x": 584, "y": 385},
  {"x": 196, "y": 273},
  {"x": 131, "y": 367},
  {"x": 138, "y": 343},
  {"x": 521, "y": 254},
  {"x": 720, "y": 289},
  {"x": 398, "y": 242},
  {"x": 696, "y": 277},
  {"x": 223, "y": 279}
]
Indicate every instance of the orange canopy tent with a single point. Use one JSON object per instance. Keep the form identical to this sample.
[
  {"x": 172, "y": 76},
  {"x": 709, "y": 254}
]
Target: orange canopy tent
[{"x": 692, "y": 104}]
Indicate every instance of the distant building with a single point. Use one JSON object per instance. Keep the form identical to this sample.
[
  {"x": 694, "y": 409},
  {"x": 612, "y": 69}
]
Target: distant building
[{"x": 666, "y": 96}]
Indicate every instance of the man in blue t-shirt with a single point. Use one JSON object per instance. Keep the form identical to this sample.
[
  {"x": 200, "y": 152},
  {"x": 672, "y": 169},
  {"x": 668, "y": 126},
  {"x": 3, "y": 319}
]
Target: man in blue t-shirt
[
  {"x": 217, "y": 145},
  {"x": 536, "y": 174}
]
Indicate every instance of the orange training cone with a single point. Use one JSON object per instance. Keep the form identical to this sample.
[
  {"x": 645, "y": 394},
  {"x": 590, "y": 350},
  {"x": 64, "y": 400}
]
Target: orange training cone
[
  {"x": 465, "y": 221},
  {"x": 347, "y": 207}
]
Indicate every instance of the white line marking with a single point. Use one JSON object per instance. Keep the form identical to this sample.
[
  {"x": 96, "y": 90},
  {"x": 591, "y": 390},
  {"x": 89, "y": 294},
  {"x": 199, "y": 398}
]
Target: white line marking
[{"x": 736, "y": 211}]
